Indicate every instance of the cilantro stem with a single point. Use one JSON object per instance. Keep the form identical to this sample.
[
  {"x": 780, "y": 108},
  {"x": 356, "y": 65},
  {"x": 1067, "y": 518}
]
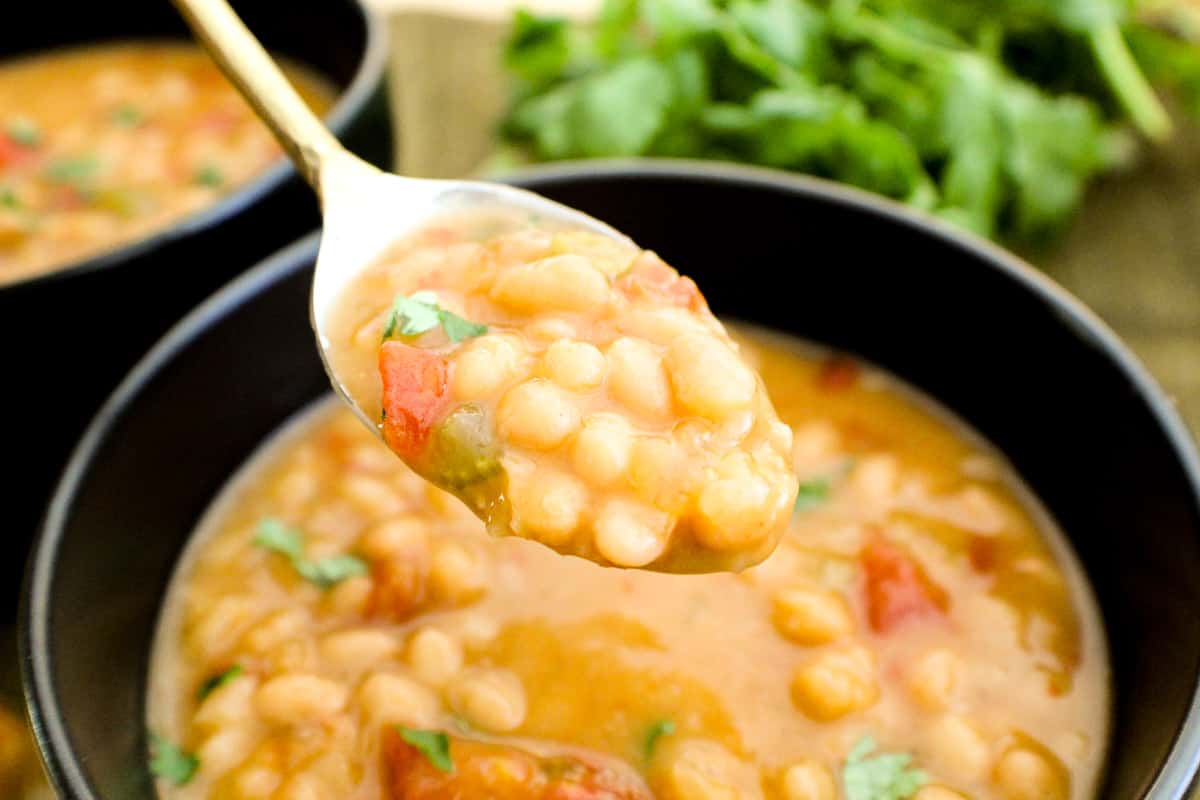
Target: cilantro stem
[{"x": 1128, "y": 83}]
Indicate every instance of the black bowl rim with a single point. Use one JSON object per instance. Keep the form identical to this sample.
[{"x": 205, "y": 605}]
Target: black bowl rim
[
  {"x": 371, "y": 73},
  {"x": 1177, "y": 776}
]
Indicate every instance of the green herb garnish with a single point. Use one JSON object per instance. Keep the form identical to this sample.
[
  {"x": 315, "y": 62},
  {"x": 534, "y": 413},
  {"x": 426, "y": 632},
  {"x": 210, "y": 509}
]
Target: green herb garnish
[
  {"x": 331, "y": 571},
  {"x": 127, "y": 116},
  {"x": 812, "y": 494},
  {"x": 658, "y": 729},
  {"x": 8, "y": 198},
  {"x": 72, "y": 169},
  {"x": 24, "y": 132},
  {"x": 171, "y": 763},
  {"x": 993, "y": 115},
  {"x": 885, "y": 776},
  {"x": 421, "y": 312},
  {"x": 434, "y": 745},
  {"x": 217, "y": 681},
  {"x": 208, "y": 175},
  {"x": 279, "y": 538}
]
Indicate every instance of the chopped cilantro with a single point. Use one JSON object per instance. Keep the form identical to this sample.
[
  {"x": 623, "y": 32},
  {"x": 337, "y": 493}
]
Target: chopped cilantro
[
  {"x": 277, "y": 537},
  {"x": 412, "y": 315},
  {"x": 8, "y": 198},
  {"x": 421, "y": 312},
  {"x": 170, "y": 762},
  {"x": 208, "y": 175},
  {"x": 885, "y": 776},
  {"x": 128, "y": 116},
  {"x": 658, "y": 729},
  {"x": 72, "y": 169},
  {"x": 217, "y": 681},
  {"x": 24, "y": 132},
  {"x": 457, "y": 328},
  {"x": 331, "y": 571},
  {"x": 812, "y": 493},
  {"x": 434, "y": 745}
]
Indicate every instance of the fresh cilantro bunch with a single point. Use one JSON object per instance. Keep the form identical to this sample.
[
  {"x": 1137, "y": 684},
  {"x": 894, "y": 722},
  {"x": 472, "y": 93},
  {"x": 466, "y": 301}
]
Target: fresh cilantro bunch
[{"x": 993, "y": 114}]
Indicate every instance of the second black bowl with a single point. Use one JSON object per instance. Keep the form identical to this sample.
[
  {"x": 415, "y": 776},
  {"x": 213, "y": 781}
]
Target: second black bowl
[
  {"x": 71, "y": 333},
  {"x": 994, "y": 341}
]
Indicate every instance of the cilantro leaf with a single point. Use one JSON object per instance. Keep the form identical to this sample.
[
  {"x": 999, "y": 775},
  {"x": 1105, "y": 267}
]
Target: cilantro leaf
[
  {"x": 421, "y": 312},
  {"x": 277, "y": 537},
  {"x": 24, "y": 132},
  {"x": 331, "y": 571},
  {"x": 217, "y": 681},
  {"x": 128, "y": 116},
  {"x": 412, "y": 315},
  {"x": 811, "y": 494},
  {"x": 658, "y": 729},
  {"x": 994, "y": 116},
  {"x": 885, "y": 776},
  {"x": 73, "y": 169},
  {"x": 171, "y": 763},
  {"x": 8, "y": 198},
  {"x": 434, "y": 745},
  {"x": 208, "y": 175},
  {"x": 457, "y": 328}
]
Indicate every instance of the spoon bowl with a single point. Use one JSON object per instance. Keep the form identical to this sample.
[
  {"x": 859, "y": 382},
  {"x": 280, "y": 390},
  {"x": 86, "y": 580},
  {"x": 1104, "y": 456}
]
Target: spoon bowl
[{"x": 365, "y": 210}]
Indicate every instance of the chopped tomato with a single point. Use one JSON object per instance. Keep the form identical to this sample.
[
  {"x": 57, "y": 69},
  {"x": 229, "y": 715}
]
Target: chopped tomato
[
  {"x": 415, "y": 396},
  {"x": 650, "y": 277},
  {"x": 440, "y": 236},
  {"x": 838, "y": 373},
  {"x": 897, "y": 589},
  {"x": 500, "y": 772},
  {"x": 221, "y": 120},
  {"x": 66, "y": 198},
  {"x": 14, "y": 153}
]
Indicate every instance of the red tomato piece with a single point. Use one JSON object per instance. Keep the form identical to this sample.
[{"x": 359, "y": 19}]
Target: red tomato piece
[
  {"x": 500, "y": 772},
  {"x": 650, "y": 277},
  {"x": 838, "y": 373},
  {"x": 220, "y": 120},
  {"x": 415, "y": 396},
  {"x": 897, "y": 589},
  {"x": 14, "y": 153}
]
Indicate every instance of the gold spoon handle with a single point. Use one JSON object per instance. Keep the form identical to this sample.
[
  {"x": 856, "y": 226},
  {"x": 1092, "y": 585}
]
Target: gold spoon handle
[{"x": 244, "y": 61}]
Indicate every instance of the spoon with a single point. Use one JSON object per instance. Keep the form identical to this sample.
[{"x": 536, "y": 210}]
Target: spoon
[{"x": 365, "y": 210}]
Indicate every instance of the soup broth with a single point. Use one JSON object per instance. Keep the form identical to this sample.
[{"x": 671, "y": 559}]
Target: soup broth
[{"x": 340, "y": 628}]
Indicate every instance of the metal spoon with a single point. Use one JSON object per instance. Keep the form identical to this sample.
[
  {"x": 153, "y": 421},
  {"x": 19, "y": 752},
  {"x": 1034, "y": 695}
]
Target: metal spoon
[{"x": 365, "y": 210}]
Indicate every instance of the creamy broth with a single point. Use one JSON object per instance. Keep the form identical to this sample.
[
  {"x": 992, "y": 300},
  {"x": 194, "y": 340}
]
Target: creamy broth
[
  {"x": 920, "y": 596},
  {"x": 104, "y": 144}
]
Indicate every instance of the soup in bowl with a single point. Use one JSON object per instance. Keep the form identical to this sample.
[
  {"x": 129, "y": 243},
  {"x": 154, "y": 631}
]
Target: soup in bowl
[
  {"x": 103, "y": 144},
  {"x": 332, "y": 626},
  {"x": 340, "y": 628}
]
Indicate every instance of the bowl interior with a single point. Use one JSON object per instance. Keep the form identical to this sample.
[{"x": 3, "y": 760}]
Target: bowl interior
[{"x": 995, "y": 343}]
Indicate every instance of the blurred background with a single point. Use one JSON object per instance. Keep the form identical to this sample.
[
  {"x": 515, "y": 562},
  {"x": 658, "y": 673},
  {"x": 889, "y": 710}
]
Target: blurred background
[{"x": 1065, "y": 130}]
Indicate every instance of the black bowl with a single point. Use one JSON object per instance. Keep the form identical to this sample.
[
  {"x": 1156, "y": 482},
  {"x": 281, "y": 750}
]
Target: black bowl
[
  {"x": 117, "y": 304},
  {"x": 992, "y": 339}
]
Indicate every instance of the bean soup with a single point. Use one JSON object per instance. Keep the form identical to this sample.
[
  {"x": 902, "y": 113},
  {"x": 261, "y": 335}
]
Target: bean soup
[
  {"x": 104, "y": 144},
  {"x": 340, "y": 628}
]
